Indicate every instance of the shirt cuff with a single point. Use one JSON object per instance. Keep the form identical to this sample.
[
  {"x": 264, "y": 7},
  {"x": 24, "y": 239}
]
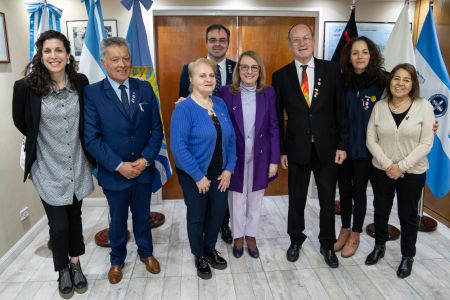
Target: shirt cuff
[{"x": 118, "y": 167}]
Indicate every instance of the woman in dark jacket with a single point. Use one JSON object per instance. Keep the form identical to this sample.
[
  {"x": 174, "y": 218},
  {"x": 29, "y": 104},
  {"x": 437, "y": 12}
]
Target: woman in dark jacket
[{"x": 47, "y": 110}]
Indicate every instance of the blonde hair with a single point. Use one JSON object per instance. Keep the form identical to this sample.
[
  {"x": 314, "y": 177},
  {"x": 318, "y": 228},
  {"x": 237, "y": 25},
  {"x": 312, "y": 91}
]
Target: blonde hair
[
  {"x": 194, "y": 64},
  {"x": 260, "y": 82}
]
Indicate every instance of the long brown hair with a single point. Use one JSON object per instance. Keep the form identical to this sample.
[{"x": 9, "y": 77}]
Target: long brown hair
[
  {"x": 374, "y": 68},
  {"x": 37, "y": 75},
  {"x": 260, "y": 82}
]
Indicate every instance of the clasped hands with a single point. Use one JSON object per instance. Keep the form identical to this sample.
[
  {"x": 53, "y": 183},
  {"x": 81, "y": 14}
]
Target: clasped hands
[
  {"x": 131, "y": 170},
  {"x": 204, "y": 183},
  {"x": 394, "y": 172}
]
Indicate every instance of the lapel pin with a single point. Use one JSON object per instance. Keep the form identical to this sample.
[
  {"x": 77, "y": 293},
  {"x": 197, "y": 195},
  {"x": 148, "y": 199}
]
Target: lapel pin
[
  {"x": 133, "y": 97},
  {"x": 234, "y": 107}
]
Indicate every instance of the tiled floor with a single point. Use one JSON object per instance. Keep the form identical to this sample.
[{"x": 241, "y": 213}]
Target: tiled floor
[{"x": 271, "y": 276}]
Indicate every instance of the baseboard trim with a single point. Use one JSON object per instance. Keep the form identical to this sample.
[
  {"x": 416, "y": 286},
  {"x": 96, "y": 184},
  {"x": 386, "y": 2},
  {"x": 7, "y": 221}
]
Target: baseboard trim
[{"x": 21, "y": 244}]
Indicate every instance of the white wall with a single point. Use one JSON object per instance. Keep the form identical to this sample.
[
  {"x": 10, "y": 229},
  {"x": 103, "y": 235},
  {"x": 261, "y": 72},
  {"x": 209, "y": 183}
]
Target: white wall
[{"x": 14, "y": 194}]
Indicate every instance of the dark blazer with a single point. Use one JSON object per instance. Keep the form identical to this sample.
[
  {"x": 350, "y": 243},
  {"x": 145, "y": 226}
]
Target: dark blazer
[
  {"x": 112, "y": 137},
  {"x": 266, "y": 148},
  {"x": 26, "y": 112},
  {"x": 183, "y": 91},
  {"x": 325, "y": 120}
]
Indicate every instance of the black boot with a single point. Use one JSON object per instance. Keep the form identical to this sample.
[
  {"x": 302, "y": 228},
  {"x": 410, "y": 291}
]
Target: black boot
[
  {"x": 375, "y": 255},
  {"x": 215, "y": 260},
  {"x": 203, "y": 269},
  {"x": 405, "y": 267},
  {"x": 79, "y": 280},
  {"x": 225, "y": 233},
  {"x": 65, "y": 285}
]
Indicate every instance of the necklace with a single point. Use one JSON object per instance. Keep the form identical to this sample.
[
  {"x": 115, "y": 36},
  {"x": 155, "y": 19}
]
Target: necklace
[
  {"x": 399, "y": 107},
  {"x": 208, "y": 105}
]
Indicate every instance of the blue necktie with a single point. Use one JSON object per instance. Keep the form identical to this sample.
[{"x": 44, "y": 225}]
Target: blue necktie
[
  {"x": 218, "y": 81},
  {"x": 124, "y": 98}
]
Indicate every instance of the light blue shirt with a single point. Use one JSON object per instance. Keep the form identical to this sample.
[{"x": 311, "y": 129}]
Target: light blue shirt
[{"x": 115, "y": 85}]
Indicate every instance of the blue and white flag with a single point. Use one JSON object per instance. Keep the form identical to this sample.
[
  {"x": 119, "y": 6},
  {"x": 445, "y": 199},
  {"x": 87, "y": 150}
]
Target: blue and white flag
[
  {"x": 435, "y": 86},
  {"x": 142, "y": 68},
  {"x": 43, "y": 17},
  {"x": 90, "y": 64}
]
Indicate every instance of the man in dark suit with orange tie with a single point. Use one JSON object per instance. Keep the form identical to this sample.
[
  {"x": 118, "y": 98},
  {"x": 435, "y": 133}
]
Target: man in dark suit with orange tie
[
  {"x": 123, "y": 132},
  {"x": 310, "y": 92}
]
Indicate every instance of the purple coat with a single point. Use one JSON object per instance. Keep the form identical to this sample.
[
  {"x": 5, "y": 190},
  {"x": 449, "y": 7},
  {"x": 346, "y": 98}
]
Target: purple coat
[{"x": 267, "y": 140}]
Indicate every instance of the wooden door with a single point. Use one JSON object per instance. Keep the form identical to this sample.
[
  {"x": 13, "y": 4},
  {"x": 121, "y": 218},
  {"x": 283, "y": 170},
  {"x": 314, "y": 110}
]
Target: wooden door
[{"x": 181, "y": 39}]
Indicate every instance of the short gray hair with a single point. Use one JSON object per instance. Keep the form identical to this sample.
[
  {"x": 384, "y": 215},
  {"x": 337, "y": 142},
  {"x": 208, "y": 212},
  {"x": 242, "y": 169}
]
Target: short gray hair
[{"x": 112, "y": 41}]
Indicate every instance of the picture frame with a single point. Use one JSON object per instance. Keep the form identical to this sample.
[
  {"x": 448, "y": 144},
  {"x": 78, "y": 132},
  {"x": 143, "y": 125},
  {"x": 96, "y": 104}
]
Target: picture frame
[
  {"x": 76, "y": 30},
  {"x": 4, "y": 49},
  {"x": 378, "y": 32}
]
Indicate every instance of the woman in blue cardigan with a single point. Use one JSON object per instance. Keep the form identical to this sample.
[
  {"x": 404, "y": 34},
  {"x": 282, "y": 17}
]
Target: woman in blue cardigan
[{"x": 203, "y": 145}]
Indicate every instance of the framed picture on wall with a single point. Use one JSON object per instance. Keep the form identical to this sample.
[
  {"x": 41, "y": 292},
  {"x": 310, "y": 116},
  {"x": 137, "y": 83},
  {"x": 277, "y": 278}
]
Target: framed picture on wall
[
  {"x": 4, "y": 50},
  {"x": 378, "y": 32},
  {"x": 76, "y": 31}
]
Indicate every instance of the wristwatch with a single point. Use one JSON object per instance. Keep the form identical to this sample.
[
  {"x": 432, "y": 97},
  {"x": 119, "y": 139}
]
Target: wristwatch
[{"x": 146, "y": 162}]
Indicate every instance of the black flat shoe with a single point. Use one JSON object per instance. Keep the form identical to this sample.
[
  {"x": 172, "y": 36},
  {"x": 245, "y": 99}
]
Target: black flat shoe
[
  {"x": 330, "y": 257},
  {"x": 375, "y": 255},
  {"x": 225, "y": 233},
  {"x": 293, "y": 252},
  {"x": 65, "y": 285},
  {"x": 78, "y": 279},
  {"x": 405, "y": 267},
  {"x": 238, "y": 252},
  {"x": 203, "y": 269},
  {"x": 215, "y": 260}
]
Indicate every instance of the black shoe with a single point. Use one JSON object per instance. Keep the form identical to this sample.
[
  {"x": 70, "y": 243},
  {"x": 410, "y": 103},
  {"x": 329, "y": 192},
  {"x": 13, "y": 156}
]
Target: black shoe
[
  {"x": 78, "y": 279},
  {"x": 375, "y": 255},
  {"x": 215, "y": 260},
  {"x": 404, "y": 270},
  {"x": 293, "y": 251},
  {"x": 65, "y": 285},
  {"x": 203, "y": 269},
  {"x": 330, "y": 257},
  {"x": 225, "y": 232}
]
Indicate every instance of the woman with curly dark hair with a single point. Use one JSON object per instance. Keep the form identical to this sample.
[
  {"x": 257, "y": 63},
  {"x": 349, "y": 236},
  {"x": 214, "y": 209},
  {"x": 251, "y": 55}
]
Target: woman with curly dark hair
[
  {"x": 365, "y": 80},
  {"x": 47, "y": 109}
]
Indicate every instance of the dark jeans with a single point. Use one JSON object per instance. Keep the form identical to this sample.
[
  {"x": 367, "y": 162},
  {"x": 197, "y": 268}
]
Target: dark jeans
[
  {"x": 66, "y": 232},
  {"x": 204, "y": 212},
  {"x": 408, "y": 190},
  {"x": 353, "y": 176},
  {"x": 298, "y": 182}
]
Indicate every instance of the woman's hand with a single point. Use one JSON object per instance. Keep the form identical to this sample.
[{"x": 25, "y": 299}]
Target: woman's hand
[
  {"x": 224, "y": 180},
  {"x": 273, "y": 168},
  {"x": 394, "y": 172},
  {"x": 203, "y": 185}
]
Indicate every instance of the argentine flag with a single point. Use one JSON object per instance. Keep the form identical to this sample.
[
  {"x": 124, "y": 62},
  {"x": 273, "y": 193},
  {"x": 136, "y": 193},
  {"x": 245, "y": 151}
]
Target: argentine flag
[
  {"x": 90, "y": 64},
  {"x": 435, "y": 86}
]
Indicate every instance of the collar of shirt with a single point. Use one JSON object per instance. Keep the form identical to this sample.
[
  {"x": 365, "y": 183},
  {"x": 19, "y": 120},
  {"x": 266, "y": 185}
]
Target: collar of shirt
[
  {"x": 310, "y": 64},
  {"x": 115, "y": 85},
  {"x": 67, "y": 86}
]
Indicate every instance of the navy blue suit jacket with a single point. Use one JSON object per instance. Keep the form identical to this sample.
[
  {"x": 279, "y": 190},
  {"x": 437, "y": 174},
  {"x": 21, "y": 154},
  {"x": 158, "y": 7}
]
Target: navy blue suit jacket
[
  {"x": 183, "y": 90},
  {"x": 112, "y": 137}
]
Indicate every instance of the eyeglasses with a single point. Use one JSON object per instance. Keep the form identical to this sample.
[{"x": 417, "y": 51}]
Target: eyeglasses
[
  {"x": 220, "y": 41},
  {"x": 253, "y": 68},
  {"x": 305, "y": 41}
]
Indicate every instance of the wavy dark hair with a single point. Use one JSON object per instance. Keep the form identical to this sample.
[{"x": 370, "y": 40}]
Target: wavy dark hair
[
  {"x": 37, "y": 76},
  {"x": 415, "y": 89},
  {"x": 374, "y": 68}
]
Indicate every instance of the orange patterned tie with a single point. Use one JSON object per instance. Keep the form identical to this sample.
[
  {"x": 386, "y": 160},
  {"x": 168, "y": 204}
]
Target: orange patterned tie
[{"x": 305, "y": 85}]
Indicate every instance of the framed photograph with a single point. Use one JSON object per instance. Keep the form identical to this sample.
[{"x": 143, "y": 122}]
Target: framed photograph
[
  {"x": 76, "y": 31},
  {"x": 4, "y": 50},
  {"x": 378, "y": 32}
]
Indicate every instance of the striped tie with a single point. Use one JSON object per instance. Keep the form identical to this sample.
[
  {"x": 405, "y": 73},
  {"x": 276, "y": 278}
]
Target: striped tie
[
  {"x": 218, "y": 81},
  {"x": 305, "y": 85}
]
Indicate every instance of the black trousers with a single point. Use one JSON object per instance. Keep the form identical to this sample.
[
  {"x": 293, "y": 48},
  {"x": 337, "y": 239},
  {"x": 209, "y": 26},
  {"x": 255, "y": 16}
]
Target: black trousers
[
  {"x": 204, "y": 212},
  {"x": 298, "y": 182},
  {"x": 66, "y": 232},
  {"x": 408, "y": 190},
  {"x": 353, "y": 177}
]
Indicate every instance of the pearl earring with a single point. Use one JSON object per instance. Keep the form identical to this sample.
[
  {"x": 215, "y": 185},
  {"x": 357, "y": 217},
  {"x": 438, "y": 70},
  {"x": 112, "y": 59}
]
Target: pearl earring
[{"x": 68, "y": 60}]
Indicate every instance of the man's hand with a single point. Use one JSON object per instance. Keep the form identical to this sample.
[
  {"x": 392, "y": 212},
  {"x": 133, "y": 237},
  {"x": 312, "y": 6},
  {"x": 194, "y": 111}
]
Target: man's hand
[
  {"x": 341, "y": 155},
  {"x": 394, "y": 172},
  {"x": 284, "y": 161},
  {"x": 140, "y": 165},
  {"x": 273, "y": 168},
  {"x": 203, "y": 185},
  {"x": 224, "y": 180},
  {"x": 128, "y": 171}
]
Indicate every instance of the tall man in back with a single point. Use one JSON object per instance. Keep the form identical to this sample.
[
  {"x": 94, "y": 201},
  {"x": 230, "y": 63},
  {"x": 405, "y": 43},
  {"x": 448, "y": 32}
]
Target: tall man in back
[
  {"x": 123, "y": 132},
  {"x": 310, "y": 92},
  {"x": 217, "y": 42}
]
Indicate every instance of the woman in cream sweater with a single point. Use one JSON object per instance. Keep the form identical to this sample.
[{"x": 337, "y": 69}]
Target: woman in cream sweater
[{"x": 399, "y": 136}]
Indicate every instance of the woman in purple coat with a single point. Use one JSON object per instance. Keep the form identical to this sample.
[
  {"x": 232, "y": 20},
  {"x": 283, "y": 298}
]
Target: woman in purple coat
[{"x": 251, "y": 105}]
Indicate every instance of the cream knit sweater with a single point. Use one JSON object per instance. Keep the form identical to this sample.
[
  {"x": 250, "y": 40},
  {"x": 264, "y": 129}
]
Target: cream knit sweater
[{"x": 407, "y": 145}]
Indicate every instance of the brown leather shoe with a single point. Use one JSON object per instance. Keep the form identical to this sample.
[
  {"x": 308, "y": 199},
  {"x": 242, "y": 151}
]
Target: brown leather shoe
[
  {"x": 342, "y": 239},
  {"x": 115, "y": 274},
  {"x": 351, "y": 245},
  {"x": 151, "y": 264}
]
